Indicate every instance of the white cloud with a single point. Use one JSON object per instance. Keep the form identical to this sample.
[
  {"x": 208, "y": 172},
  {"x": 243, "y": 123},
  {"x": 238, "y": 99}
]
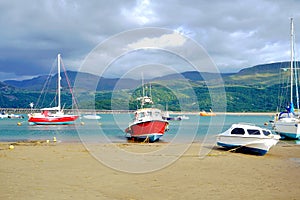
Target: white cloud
[
  {"x": 162, "y": 42},
  {"x": 142, "y": 13}
]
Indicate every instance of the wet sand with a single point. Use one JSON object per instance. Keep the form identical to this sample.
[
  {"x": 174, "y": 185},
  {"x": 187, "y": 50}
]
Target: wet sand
[{"x": 68, "y": 171}]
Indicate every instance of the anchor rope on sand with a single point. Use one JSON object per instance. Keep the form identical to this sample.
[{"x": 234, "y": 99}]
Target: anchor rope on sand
[{"x": 146, "y": 140}]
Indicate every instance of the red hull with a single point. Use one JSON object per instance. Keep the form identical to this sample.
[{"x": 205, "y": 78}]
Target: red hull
[
  {"x": 53, "y": 120},
  {"x": 141, "y": 130}
]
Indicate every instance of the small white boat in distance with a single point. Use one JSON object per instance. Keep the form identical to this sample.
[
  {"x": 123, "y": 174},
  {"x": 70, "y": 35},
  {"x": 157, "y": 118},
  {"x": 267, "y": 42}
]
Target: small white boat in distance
[
  {"x": 183, "y": 117},
  {"x": 248, "y": 138},
  {"x": 91, "y": 117},
  {"x": 3, "y": 115}
]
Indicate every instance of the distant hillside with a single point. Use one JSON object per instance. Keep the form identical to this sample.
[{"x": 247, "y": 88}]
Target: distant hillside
[
  {"x": 4, "y": 87},
  {"x": 266, "y": 68},
  {"x": 251, "y": 89},
  {"x": 11, "y": 96},
  {"x": 30, "y": 84},
  {"x": 86, "y": 81},
  {"x": 259, "y": 75}
]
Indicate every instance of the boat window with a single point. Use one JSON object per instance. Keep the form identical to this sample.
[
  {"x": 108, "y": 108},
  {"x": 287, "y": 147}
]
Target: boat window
[
  {"x": 149, "y": 113},
  {"x": 142, "y": 114},
  {"x": 253, "y": 132},
  {"x": 238, "y": 131},
  {"x": 266, "y": 133}
]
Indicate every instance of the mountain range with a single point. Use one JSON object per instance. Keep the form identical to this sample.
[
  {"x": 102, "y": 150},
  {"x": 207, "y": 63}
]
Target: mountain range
[
  {"x": 259, "y": 82},
  {"x": 253, "y": 75}
]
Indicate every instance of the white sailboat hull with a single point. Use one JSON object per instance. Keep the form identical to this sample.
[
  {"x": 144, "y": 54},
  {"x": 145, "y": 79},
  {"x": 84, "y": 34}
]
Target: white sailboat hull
[{"x": 288, "y": 127}]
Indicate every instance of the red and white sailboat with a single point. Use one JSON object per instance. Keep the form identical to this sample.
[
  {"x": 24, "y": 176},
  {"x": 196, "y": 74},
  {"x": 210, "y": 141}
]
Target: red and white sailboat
[
  {"x": 148, "y": 123},
  {"x": 53, "y": 115}
]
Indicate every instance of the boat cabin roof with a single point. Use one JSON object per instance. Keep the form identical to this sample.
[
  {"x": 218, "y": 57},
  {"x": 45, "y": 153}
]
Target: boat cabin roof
[
  {"x": 50, "y": 109},
  {"x": 147, "y": 113},
  {"x": 246, "y": 129}
]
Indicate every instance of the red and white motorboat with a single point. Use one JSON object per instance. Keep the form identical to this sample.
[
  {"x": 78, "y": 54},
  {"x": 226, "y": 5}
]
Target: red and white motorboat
[
  {"x": 53, "y": 115},
  {"x": 148, "y": 123}
]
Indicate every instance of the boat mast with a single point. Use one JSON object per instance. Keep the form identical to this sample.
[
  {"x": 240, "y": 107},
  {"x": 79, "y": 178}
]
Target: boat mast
[
  {"x": 292, "y": 57},
  {"x": 150, "y": 93},
  {"x": 58, "y": 81},
  {"x": 143, "y": 85}
]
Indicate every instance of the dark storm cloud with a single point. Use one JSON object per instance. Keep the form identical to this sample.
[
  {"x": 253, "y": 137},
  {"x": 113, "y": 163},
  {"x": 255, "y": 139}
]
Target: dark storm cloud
[{"x": 236, "y": 34}]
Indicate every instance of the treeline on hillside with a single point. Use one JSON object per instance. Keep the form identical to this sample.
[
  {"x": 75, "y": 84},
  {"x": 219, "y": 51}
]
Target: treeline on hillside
[{"x": 238, "y": 99}]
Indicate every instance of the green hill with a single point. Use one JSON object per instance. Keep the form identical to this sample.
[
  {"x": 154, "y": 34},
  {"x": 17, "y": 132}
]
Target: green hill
[{"x": 253, "y": 89}]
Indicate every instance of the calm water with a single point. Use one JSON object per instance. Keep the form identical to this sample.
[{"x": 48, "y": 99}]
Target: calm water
[{"x": 110, "y": 128}]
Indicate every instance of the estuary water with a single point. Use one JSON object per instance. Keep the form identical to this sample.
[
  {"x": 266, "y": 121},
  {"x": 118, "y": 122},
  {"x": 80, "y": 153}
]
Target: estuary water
[{"x": 110, "y": 129}]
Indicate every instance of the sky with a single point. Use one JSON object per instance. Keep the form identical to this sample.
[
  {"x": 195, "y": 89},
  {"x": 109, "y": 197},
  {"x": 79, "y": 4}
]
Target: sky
[{"x": 117, "y": 38}]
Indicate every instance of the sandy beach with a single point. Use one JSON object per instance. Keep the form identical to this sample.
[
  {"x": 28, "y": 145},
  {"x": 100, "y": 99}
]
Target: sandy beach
[{"x": 69, "y": 171}]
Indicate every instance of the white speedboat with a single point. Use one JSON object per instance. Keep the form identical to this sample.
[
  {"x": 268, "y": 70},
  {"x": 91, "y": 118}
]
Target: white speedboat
[{"x": 248, "y": 138}]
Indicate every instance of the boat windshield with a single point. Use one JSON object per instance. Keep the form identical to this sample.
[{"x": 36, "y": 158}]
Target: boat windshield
[
  {"x": 238, "y": 131},
  {"x": 266, "y": 133}
]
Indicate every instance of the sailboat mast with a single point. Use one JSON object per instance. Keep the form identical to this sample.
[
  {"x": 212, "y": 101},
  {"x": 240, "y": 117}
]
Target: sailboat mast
[
  {"x": 292, "y": 57},
  {"x": 58, "y": 81}
]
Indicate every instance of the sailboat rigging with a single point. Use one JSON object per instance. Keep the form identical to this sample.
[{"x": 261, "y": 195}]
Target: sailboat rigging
[
  {"x": 53, "y": 115},
  {"x": 287, "y": 123}
]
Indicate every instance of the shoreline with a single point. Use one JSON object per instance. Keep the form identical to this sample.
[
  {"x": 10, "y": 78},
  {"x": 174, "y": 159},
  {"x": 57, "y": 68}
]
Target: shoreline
[
  {"x": 86, "y": 111},
  {"x": 70, "y": 171}
]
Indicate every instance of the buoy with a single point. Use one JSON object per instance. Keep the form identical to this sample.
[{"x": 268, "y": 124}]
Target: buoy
[
  {"x": 47, "y": 141},
  {"x": 11, "y": 147},
  {"x": 19, "y": 123},
  {"x": 100, "y": 124},
  {"x": 266, "y": 123},
  {"x": 82, "y": 123},
  {"x": 54, "y": 139}
]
